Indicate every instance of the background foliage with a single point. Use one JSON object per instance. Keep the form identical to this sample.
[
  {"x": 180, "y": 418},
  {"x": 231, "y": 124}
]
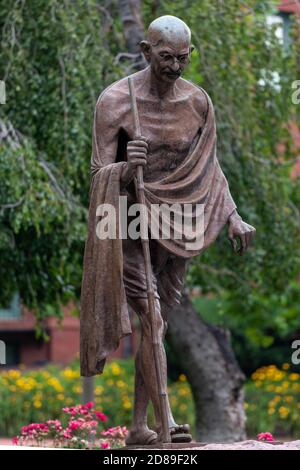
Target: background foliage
[{"x": 56, "y": 57}]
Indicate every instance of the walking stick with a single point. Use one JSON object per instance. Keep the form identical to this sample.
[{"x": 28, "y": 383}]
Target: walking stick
[{"x": 150, "y": 291}]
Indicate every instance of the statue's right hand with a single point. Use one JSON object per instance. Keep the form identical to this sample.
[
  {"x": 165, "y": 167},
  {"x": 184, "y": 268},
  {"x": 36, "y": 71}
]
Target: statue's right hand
[{"x": 137, "y": 153}]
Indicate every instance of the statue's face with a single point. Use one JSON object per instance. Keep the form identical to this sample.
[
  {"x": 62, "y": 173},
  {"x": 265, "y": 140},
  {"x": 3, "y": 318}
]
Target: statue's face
[{"x": 169, "y": 59}]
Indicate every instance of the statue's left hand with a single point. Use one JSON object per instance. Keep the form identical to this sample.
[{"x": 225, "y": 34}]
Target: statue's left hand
[{"x": 240, "y": 230}]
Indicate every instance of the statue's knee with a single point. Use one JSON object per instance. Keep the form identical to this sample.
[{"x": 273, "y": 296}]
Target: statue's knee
[{"x": 145, "y": 318}]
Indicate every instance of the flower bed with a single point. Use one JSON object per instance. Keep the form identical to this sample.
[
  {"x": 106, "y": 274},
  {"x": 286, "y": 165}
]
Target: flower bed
[
  {"x": 272, "y": 397},
  {"x": 39, "y": 395},
  {"x": 273, "y": 401}
]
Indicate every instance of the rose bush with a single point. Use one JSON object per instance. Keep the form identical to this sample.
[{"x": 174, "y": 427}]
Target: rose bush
[{"x": 80, "y": 429}]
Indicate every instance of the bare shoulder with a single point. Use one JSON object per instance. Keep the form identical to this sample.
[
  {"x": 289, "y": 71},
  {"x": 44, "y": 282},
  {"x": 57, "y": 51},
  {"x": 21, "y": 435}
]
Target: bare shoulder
[
  {"x": 197, "y": 94},
  {"x": 114, "y": 102}
]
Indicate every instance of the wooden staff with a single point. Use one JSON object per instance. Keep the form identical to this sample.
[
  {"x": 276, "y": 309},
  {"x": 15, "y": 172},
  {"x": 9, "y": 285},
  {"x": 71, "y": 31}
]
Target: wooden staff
[{"x": 139, "y": 184}]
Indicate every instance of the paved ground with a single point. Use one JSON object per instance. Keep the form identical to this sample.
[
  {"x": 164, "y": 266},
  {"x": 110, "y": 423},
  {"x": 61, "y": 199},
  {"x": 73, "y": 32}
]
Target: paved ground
[
  {"x": 254, "y": 445},
  {"x": 245, "y": 445}
]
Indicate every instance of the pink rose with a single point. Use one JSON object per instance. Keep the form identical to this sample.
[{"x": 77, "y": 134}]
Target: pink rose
[
  {"x": 265, "y": 436},
  {"x": 101, "y": 416},
  {"x": 105, "y": 445}
]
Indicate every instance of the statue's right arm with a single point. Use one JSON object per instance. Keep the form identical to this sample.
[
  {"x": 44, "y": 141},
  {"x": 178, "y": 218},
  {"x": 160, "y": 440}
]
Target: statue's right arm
[
  {"x": 105, "y": 133},
  {"x": 107, "y": 123}
]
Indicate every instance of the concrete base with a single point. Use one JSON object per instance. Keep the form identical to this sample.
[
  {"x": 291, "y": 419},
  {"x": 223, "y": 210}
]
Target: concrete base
[{"x": 171, "y": 445}]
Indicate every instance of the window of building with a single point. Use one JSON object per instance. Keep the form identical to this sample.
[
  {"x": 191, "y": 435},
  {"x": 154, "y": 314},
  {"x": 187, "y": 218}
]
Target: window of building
[{"x": 12, "y": 311}]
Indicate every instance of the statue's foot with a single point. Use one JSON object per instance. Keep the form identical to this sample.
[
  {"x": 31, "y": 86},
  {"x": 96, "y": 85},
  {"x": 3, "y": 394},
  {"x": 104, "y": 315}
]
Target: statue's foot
[
  {"x": 141, "y": 436},
  {"x": 180, "y": 433}
]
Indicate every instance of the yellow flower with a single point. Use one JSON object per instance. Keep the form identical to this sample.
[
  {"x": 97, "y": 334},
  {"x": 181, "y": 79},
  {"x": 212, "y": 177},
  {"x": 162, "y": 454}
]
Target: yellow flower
[
  {"x": 294, "y": 376},
  {"x": 60, "y": 396},
  {"x": 182, "y": 378},
  {"x": 285, "y": 366},
  {"x": 115, "y": 368},
  {"x": 295, "y": 387},
  {"x": 98, "y": 390},
  {"x": 278, "y": 376},
  {"x": 271, "y": 411},
  {"x": 70, "y": 374},
  {"x": 127, "y": 405},
  {"x": 14, "y": 374},
  {"x": 285, "y": 385},
  {"x": 283, "y": 412},
  {"x": 37, "y": 404},
  {"x": 53, "y": 382},
  {"x": 121, "y": 384}
]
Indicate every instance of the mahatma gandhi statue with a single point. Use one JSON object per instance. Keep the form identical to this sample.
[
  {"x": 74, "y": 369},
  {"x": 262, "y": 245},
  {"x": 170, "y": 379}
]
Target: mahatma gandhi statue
[{"x": 176, "y": 149}]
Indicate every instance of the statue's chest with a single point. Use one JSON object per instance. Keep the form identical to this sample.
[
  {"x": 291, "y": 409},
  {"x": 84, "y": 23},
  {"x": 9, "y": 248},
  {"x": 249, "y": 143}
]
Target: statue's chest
[{"x": 170, "y": 130}]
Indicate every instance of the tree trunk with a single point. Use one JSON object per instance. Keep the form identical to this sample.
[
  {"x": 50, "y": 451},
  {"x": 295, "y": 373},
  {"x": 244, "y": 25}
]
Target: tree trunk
[
  {"x": 133, "y": 26},
  {"x": 205, "y": 356},
  {"x": 203, "y": 351}
]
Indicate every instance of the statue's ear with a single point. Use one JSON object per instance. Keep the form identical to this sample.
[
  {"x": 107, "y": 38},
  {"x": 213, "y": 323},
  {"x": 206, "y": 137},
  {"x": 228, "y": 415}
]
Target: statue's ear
[
  {"x": 192, "y": 48},
  {"x": 146, "y": 48}
]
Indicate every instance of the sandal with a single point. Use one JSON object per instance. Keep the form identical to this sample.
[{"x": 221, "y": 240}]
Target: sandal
[
  {"x": 181, "y": 433},
  {"x": 144, "y": 437}
]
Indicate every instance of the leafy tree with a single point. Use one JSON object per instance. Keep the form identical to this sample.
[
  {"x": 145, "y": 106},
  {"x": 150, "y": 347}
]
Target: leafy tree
[{"x": 55, "y": 57}]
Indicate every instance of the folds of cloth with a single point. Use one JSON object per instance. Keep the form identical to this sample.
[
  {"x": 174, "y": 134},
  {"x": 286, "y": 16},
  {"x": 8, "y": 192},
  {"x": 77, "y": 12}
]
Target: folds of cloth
[{"x": 168, "y": 271}]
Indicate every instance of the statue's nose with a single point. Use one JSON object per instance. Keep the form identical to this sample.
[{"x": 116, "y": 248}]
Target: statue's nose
[{"x": 175, "y": 66}]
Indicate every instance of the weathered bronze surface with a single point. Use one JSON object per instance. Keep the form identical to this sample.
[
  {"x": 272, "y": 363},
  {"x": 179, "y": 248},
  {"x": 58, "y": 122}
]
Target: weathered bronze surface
[{"x": 178, "y": 153}]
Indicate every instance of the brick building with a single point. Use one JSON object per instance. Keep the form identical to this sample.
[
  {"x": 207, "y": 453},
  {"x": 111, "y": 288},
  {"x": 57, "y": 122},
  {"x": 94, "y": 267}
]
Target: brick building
[{"x": 17, "y": 330}]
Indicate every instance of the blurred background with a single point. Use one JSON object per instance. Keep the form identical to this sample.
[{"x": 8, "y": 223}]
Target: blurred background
[{"x": 242, "y": 315}]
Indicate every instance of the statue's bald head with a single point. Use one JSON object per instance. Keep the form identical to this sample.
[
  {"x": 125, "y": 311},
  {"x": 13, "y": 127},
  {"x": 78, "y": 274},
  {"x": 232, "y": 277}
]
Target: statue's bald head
[
  {"x": 168, "y": 29},
  {"x": 167, "y": 47}
]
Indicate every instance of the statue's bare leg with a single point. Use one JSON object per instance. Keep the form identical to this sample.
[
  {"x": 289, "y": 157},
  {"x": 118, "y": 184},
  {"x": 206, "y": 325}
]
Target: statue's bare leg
[
  {"x": 146, "y": 382},
  {"x": 140, "y": 433}
]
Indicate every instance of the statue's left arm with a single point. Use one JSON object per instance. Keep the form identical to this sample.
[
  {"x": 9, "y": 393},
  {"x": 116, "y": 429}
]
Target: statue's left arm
[{"x": 238, "y": 230}]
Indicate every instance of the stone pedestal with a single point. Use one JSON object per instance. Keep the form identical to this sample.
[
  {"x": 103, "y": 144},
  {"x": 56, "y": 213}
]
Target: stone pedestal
[{"x": 169, "y": 446}]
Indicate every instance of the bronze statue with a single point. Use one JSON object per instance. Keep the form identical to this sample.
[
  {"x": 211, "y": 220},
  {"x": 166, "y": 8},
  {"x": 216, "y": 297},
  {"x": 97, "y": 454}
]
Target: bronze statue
[{"x": 177, "y": 151}]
